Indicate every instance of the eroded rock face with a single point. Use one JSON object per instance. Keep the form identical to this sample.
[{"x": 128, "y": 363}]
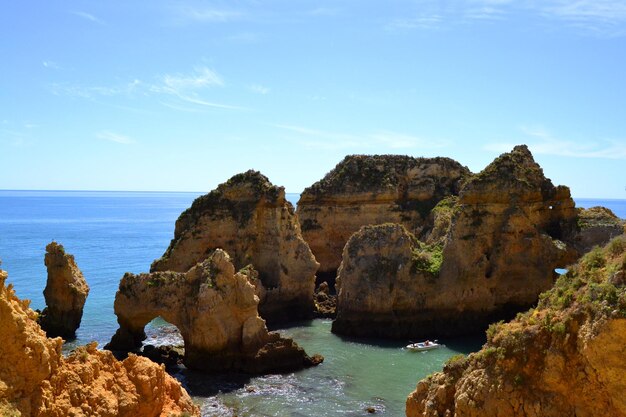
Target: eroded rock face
[
  {"x": 598, "y": 225},
  {"x": 215, "y": 310},
  {"x": 65, "y": 293},
  {"x": 249, "y": 218},
  {"x": 486, "y": 254},
  {"x": 385, "y": 284},
  {"x": 564, "y": 358},
  {"x": 363, "y": 190},
  {"x": 36, "y": 380},
  {"x": 507, "y": 236}
]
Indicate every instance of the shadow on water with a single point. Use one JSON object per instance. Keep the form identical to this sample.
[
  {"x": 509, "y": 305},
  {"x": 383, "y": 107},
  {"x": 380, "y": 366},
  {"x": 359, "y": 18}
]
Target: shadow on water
[{"x": 200, "y": 384}]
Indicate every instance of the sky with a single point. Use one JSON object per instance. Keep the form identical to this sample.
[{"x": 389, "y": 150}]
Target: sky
[{"x": 181, "y": 95}]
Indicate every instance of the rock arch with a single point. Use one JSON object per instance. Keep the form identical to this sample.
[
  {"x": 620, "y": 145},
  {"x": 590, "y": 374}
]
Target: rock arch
[{"x": 215, "y": 310}]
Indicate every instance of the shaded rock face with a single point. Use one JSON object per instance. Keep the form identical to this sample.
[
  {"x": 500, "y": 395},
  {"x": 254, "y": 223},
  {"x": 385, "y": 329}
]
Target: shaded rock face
[
  {"x": 384, "y": 284},
  {"x": 597, "y": 225},
  {"x": 215, "y": 310},
  {"x": 36, "y": 380},
  {"x": 249, "y": 218},
  {"x": 564, "y": 358},
  {"x": 65, "y": 293},
  {"x": 363, "y": 190},
  {"x": 487, "y": 254}
]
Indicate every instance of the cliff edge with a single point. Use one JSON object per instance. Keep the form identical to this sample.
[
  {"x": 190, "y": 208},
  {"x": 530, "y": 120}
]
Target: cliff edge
[
  {"x": 36, "y": 380},
  {"x": 563, "y": 358}
]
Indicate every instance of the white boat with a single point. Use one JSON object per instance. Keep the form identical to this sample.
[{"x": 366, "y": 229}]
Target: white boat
[{"x": 420, "y": 346}]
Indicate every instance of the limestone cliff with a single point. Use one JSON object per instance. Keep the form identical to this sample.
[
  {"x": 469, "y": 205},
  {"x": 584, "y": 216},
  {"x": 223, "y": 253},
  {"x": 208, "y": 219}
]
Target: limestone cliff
[
  {"x": 250, "y": 219},
  {"x": 215, "y": 310},
  {"x": 597, "y": 225},
  {"x": 65, "y": 293},
  {"x": 564, "y": 358},
  {"x": 485, "y": 255},
  {"x": 36, "y": 380},
  {"x": 385, "y": 283},
  {"x": 363, "y": 190},
  {"x": 507, "y": 236}
]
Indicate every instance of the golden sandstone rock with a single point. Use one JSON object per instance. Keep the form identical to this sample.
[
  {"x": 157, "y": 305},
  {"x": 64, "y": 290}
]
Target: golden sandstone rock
[
  {"x": 36, "y": 380},
  {"x": 490, "y": 252},
  {"x": 373, "y": 189},
  {"x": 215, "y": 310},
  {"x": 65, "y": 293},
  {"x": 250, "y": 219},
  {"x": 564, "y": 358}
]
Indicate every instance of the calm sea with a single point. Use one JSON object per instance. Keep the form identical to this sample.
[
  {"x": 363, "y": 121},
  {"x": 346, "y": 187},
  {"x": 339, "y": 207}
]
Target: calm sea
[{"x": 111, "y": 233}]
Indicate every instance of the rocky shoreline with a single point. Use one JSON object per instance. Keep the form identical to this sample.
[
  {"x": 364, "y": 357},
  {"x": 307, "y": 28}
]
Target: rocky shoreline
[{"x": 389, "y": 246}]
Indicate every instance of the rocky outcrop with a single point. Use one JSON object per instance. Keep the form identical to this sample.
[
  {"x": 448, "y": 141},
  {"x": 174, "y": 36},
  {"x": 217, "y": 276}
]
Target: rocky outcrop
[
  {"x": 387, "y": 284},
  {"x": 215, "y": 310},
  {"x": 597, "y": 225},
  {"x": 325, "y": 302},
  {"x": 486, "y": 255},
  {"x": 36, "y": 380},
  {"x": 250, "y": 219},
  {"x": 564, "y": 358},
  {"x": 65, "y": 293},
  {"x": 363, "y": 190}
]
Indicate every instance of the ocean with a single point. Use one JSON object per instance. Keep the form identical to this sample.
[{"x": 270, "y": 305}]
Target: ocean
[{"x": 111, "y": 233}]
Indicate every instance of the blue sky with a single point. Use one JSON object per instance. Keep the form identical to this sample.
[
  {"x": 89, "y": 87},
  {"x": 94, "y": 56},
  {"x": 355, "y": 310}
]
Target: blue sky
[{"x": 181, "y": 95}]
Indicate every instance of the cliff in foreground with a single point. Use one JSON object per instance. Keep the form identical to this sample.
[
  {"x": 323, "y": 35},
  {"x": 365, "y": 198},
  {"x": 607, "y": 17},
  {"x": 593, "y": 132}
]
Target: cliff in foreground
[
  {"x": 36, "y": 380},
  {"x": 563, "y": 358}
]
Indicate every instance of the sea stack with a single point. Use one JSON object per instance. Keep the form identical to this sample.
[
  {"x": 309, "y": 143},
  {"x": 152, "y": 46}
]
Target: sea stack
[
  {"x": 65, "y": 293},
  {"x": 37, "y": 380},
  {"x": 250, "y": 218},
  {"x": 563, "y": 358},
  {"x": 487, "y": 254},
  {"x": 372, "y": 189},
  {"x": 215, "y": 310}
]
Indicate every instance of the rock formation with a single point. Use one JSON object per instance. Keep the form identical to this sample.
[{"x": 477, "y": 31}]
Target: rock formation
[
  {"x": 485, "y": 255},
  {"x": 597, "y": 225},
  {"x": 65, "y": 293},
  {"x": 250, "y": 219},
  {"x": 215, "y": 310},
  {"x": 564, "y": 358},
  {"x": 36, "y": 380},
  {"x": 388, "y": 284},
  {"x": 363, "y": 190}
]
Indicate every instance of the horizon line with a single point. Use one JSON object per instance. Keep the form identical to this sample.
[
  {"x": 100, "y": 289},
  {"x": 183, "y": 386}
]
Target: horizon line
[{"x": 199, "y": 192}]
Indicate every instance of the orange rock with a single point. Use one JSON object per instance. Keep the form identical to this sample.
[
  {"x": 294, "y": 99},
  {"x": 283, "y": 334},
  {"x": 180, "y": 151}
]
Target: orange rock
[
  {"x": 65, "y": 293},
  {"x": 564, "y": 358},
  {"x": 35, "y": 379}
]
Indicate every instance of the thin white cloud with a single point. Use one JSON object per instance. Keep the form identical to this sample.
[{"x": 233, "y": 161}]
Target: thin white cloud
[
  {"x": 51, "y": 65},
  {"x": 114, "y": 137},
  {"x": 542, "y": 142},
  {"x": 209, "y": 14},
  {"x": 259, "y": 89},
  {"x": 185, "y": 88},
  {"x": 605, "y": 18},
  {"x": 202, "y": 77},
  {"x": 87, "y": 16},
  {"x": 326, "y": 140}
]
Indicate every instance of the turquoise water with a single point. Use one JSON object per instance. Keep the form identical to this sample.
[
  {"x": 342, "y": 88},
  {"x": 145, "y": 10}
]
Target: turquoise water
[{"x": 111, "y": 233}]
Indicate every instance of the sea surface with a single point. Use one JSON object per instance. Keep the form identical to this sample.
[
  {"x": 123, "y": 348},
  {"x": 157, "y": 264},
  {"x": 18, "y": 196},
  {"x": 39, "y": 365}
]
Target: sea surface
[{"x": 111, "y": 233}]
